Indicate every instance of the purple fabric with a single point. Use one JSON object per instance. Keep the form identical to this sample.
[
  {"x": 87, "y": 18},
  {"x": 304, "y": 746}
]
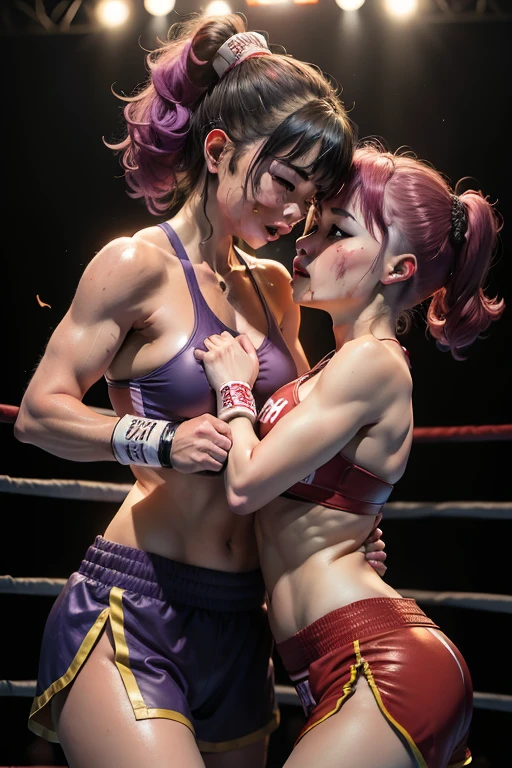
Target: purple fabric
[
  {"x": 179, "y": 389},
  {"x": 212, "y": 665}
]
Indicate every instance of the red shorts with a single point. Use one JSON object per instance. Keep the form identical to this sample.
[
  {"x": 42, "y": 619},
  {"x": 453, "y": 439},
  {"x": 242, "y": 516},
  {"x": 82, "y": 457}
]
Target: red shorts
[{"x": 420, "y": 682}]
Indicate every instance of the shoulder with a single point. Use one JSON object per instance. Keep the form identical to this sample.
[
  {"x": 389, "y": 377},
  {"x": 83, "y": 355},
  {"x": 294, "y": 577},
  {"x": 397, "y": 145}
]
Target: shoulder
[
  {"x": 273, "y": 280},
  {"x": 366, "y": 366},
  {"x": 127, "y": 265},
  {"x": 271, "y": 271}
]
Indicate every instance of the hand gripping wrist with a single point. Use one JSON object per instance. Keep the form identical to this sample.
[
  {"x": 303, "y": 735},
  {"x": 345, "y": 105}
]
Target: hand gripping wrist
[
  {"x": 146, "y": 442},
  {"x": 235, "y": 398}
]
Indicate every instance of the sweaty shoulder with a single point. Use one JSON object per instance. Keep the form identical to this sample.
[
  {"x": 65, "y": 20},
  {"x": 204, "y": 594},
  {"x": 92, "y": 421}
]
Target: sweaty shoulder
[
  {"x": 367, "y": 367},
  {"x": 273, "y": 280},
  {"x": 126, "y": 268}
]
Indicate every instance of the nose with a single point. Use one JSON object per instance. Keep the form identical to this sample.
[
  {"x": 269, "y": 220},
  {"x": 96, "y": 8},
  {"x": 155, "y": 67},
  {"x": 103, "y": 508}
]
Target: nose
[
  {"x": 292, "y": 213},
  {"x": 306, "y": 245}
]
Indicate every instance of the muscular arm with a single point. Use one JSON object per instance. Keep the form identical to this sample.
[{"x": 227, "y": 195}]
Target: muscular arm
[
  {"x": 106, "y": 304},
  {"x": 350, "y": 393},
  {"x": 111, "y": 299}
]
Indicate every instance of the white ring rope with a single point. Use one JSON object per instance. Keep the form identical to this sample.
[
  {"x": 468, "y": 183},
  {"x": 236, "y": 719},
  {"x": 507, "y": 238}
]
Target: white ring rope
[
  {"x": 10, "y": 585},
  {"x": 82, "y": 490},
  {"x": 90, "y": 490},
  {"x": 285, "y": 695},
  {"x": 86, "y": 490},
  {"x": 497, "y": 701}
]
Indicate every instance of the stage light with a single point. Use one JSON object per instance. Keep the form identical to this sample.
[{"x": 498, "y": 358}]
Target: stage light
[
  {"x": 217, "y": 8},
  {"x": 112, "y": 13},
  {"x": 159, "y": 7},
  {"x": 281, "y": 2},
  {"x": 349, "y": 5},
  {"x": 402, "y": 7}
]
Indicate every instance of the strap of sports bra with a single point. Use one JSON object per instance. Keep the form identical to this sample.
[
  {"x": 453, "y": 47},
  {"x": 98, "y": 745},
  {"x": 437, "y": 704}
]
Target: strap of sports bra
[
  {"x": 175, "y": 241},
  {"x": 190, "y": 276},
  {"x": 271, "y": 321},
  {"x": 404, "y": 349}
]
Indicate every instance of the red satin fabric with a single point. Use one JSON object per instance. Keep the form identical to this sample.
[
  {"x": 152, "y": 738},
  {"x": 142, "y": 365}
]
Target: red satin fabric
[{"x": 421, "y": 686}]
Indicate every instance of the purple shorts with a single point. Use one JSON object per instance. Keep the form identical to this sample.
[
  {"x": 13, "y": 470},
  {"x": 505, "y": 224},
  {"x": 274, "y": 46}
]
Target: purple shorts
[{"x": 191, "y": 644}]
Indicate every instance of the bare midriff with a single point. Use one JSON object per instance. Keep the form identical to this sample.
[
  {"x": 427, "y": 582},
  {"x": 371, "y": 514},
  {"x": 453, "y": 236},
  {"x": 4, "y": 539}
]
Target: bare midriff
[
  {"x": 185, "y": 518},
  {"x": 311, "y": 562}
]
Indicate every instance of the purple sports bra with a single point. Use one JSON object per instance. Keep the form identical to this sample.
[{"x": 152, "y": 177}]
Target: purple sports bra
[{"x": 179, "y": 389}]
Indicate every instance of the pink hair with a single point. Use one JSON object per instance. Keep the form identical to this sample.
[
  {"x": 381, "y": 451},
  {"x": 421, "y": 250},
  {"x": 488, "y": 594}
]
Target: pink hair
[{"x": 410, "y": 205}]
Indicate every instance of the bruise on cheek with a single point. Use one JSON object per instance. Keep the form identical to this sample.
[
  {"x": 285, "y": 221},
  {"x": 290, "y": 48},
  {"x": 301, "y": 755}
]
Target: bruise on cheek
[{"x": 340, "y": 265}]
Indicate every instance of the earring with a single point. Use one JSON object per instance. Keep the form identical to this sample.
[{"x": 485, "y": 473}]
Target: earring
[{"x": 255, "y": 210}]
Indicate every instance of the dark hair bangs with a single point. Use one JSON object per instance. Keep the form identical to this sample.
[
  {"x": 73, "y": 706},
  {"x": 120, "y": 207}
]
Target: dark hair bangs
[{"x": 316, "y": 125}]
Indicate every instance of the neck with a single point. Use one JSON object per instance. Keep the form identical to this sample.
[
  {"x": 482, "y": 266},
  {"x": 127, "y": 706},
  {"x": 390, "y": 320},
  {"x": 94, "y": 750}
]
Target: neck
[
  {"x": 202, "y": 233},
  {"x": 376, "y": 319}
]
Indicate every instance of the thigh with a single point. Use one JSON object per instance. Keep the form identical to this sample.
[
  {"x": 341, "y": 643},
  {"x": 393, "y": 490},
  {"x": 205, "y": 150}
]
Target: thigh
[
  {"x": 96, "y": 725},
  {"x": 357, "y": 736},
  {"x": 253, "y": 756}
]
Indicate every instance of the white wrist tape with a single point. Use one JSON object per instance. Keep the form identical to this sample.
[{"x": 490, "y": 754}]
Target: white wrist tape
[
  {"x": 235, "y": 398},
  {"x": 146, "y": 442}
]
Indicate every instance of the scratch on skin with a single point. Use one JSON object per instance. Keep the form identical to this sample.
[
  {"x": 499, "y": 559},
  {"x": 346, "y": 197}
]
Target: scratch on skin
[
  {"x": 84, "y": 364},
  {"x": 340, "y": 266}
]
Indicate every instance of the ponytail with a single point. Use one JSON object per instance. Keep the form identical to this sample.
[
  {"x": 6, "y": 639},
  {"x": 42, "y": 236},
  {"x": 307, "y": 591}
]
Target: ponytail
[
  {"x": 412, "y": 207},
  {"x": 460, "y": 310},
  {"x": 286, "y": 104},
  {"x": 158, "y": 118}
]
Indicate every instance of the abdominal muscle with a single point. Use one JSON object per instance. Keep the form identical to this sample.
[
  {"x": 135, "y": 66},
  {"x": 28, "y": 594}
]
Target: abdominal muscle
[
  {"x": 184, "y": 518},
  {"x": 311, "y": 564}
]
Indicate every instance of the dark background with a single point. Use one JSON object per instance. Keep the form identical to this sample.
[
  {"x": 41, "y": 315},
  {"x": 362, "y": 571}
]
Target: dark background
[{"x": 443, "y": 89}]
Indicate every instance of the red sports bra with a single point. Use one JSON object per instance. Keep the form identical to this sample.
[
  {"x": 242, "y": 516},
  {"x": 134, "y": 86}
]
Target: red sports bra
[{"x": 338, "y": 484}]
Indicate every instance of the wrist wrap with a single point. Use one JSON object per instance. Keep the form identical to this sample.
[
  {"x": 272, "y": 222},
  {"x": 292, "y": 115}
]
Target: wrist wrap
[
  {"x": 235, "y": 398},
  {"x": 146, "y": 442}
]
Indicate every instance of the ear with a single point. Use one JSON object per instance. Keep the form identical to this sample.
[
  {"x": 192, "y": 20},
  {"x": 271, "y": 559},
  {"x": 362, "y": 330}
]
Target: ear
[
  {"x": 398, "y": 269},
  {"x": 215, "y": 144}
]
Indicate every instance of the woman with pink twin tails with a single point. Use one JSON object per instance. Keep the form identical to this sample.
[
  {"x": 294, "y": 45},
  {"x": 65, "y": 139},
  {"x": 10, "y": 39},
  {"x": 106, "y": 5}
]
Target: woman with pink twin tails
[
  {"x": 157, "y": 652},
  {"x": 381, "y": 685}
]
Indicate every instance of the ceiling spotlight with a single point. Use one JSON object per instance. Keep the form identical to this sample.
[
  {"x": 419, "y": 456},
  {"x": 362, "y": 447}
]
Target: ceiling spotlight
[
  {"x": 349, "y": 5},
  {"x": 402, "y": 7},
  {"x": 159, "y": 7},
  {"x": 112, "y": 13},
  {"x": 217, "y": 8}
]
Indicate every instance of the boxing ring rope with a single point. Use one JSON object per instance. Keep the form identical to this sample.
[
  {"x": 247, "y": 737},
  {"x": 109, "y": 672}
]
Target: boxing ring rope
[{"x": 86, "y": 490}]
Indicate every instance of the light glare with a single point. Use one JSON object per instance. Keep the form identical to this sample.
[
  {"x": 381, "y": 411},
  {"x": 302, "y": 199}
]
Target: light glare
[
  {"x": 217, "y": 8},
  {"x": 349, "y": 5},
  {"x": 112, "y": 13},
  {"x": 402, "y": 7},
  {"x": 159, "y": 7}
]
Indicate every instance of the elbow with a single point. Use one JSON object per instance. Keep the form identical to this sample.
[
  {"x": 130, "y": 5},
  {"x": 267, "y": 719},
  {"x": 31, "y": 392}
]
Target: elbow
[
  {"x": 25, "y": 426},
  {"x": 240, "y": 502},
  {"x": 21, "y": 432}
]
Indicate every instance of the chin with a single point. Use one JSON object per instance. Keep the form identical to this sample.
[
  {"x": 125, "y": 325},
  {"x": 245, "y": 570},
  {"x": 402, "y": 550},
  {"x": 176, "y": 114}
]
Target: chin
[
  {"x": 253, "y": 241},
  {"x": 300, "y": 295}
]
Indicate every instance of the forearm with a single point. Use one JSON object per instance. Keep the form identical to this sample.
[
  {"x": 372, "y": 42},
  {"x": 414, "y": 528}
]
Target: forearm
[
  {"x": 239, "y": 468},
  {"x": 65, "y": 427}
]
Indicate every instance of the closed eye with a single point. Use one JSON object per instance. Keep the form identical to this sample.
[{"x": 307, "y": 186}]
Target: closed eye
[{"x": 284, "y": 182}]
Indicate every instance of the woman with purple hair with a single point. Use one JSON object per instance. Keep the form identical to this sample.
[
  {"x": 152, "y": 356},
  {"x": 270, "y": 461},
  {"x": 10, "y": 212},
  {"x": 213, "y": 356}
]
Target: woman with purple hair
[
  {"x": 158, "y": 648},
  {"x": 380, "y": 684}
]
